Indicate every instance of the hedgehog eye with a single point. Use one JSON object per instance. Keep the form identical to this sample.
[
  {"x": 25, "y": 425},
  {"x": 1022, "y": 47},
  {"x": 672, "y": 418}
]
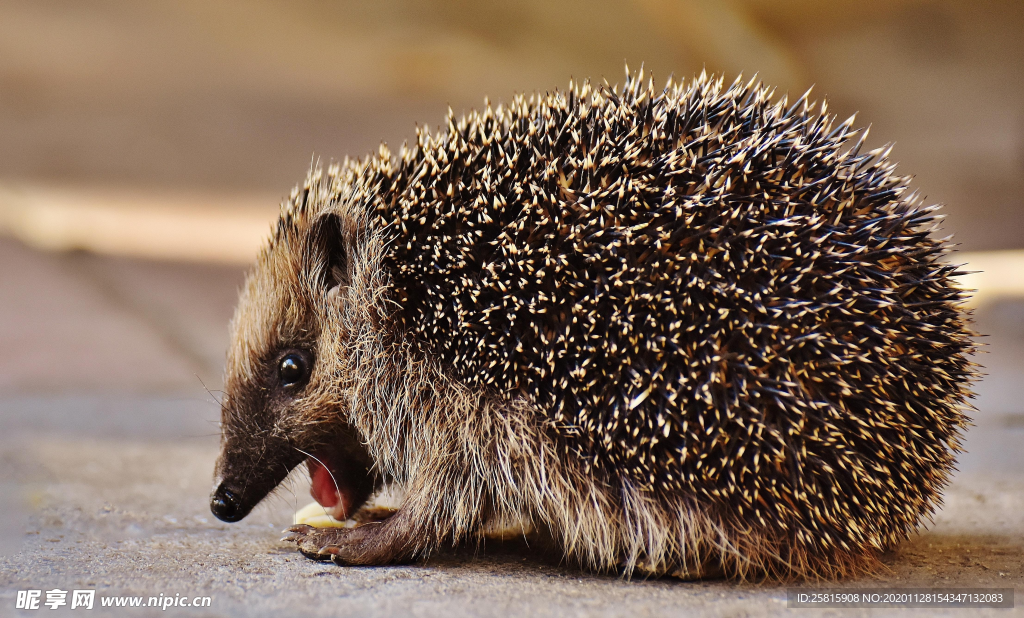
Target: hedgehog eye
[{"x": 293, "y": 369}]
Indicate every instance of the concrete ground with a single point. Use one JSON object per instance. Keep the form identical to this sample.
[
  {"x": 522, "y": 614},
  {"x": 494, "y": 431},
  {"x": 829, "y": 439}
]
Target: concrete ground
[{"x": 108, "y": 437}]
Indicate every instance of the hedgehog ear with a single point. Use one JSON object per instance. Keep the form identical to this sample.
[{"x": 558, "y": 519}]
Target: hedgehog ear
[{"x": 330, "y": 255}]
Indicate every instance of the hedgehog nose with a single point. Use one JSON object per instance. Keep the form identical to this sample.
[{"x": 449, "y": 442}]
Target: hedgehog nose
[{"x": 225, "y": 504}]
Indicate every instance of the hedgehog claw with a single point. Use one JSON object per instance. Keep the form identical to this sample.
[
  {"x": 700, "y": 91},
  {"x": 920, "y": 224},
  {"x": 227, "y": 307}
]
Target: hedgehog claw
[
  {"x": 315, "y": 556},
  {"x": 296, "y": 532}
]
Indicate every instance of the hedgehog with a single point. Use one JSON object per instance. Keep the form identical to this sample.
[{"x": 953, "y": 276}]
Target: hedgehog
[{"x": 692, "y": 331}]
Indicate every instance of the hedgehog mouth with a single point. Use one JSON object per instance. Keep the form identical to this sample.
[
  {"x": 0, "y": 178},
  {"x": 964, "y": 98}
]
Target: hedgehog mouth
[{"x": 339, "y": 485}]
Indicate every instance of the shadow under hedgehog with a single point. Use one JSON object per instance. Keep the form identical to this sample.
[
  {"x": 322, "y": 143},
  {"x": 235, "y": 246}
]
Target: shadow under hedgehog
[{"x": 691, "y": 331}]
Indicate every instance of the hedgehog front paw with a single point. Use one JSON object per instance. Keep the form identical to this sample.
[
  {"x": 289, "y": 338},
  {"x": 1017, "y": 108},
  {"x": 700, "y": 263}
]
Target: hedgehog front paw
[
  {"x": 315, "y": 543},
  {"x": 343, "y": 546}
]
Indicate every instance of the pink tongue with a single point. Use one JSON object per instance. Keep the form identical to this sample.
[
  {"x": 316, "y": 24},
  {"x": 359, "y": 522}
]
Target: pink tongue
[{"x": 326, "y": 492}]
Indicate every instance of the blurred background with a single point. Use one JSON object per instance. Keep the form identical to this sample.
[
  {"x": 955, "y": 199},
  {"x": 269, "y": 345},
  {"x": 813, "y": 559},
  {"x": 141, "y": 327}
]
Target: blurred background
[
  {"x": 145, "y": 147},
  {"x": 163, "y": 102}
]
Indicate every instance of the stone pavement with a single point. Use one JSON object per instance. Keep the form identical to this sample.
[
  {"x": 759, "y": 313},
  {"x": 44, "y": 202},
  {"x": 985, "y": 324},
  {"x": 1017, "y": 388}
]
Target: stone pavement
[{"x": 108, "y": 436}]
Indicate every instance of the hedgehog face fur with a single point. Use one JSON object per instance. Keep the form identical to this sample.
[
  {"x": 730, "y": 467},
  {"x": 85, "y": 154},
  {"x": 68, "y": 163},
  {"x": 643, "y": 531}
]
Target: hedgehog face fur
[{"x": 686, "y": 331}]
